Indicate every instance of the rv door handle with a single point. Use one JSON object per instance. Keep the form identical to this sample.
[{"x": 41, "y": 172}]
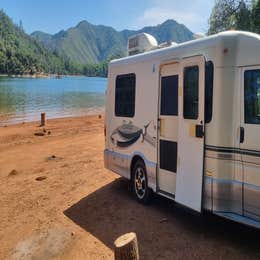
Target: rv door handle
[
  {"x": 199, "y": 131},
  {"x": 242, "y": 134}
]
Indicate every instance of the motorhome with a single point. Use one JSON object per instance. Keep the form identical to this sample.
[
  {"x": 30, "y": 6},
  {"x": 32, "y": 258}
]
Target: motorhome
[{"x": 183, "y": 121}]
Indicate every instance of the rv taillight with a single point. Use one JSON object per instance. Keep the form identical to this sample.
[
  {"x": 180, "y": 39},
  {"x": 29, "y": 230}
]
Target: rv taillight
[{"x": 105, "y": 131}]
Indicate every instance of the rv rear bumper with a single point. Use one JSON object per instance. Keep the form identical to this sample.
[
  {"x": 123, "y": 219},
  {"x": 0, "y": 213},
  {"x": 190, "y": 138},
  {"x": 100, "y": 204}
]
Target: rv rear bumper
[{"x": 118, "y": 163}]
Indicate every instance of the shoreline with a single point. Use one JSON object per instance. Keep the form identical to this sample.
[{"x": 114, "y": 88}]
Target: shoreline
[
  {"x": 90, "y": 115},
  {"x": 47, "y": 76}
]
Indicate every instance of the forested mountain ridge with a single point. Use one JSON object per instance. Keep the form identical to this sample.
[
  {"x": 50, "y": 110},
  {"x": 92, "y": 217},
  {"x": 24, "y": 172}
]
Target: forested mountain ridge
[
  {"x": 87, "y": 49},
  {"x": 88, "y": 43},
  {"x": 21, "y": 54}
]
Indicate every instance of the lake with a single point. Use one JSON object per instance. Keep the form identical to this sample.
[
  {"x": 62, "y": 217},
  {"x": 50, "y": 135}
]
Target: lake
[{"x": 22, "y": 100}]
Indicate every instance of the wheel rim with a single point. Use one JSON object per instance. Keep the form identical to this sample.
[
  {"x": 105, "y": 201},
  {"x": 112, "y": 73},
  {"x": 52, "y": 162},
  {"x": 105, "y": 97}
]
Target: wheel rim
[{"x": 140, "y": 183}]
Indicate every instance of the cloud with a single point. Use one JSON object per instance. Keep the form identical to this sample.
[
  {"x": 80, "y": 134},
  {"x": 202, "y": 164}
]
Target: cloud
[
  {"x": 193, "y": 14},
  {"x": 153, "y": 16}
]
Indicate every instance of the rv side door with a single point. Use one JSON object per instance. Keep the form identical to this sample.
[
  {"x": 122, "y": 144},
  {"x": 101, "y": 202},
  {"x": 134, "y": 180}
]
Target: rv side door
[
  {"x": 189, "y": 180},
  {"x": 250, "y": 140}
]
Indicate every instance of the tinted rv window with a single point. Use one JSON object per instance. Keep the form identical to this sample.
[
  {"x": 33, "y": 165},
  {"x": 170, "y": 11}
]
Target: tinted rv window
[
  {"x": 252, "y": 96},
  {"x": 191, "y": 92},
  {"x": 125, "y": 95},
  {"x": 169, "y": 95},
  {"x": 209, "y": 76}
]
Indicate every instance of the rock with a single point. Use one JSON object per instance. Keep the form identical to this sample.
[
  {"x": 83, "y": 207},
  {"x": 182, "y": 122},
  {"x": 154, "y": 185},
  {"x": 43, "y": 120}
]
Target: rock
[
  {"x": 13, "y": 173},
  {"x": 44, "y": 130},
  {"x": 54, "y": 158},
  {"x": 41, "y": 178},
  {"x": 39, "y": 134},
  {"x": 49, "y": 132}
]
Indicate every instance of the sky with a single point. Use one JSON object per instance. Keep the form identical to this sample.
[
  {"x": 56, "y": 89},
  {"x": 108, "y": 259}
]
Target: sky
[{"x": 51, "y": 16}]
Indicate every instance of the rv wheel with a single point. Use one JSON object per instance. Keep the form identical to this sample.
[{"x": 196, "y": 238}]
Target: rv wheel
[{"x": 140, "y": 184}]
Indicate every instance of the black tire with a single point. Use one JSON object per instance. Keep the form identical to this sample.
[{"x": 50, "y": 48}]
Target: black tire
[{"x": 140, "y": 183}]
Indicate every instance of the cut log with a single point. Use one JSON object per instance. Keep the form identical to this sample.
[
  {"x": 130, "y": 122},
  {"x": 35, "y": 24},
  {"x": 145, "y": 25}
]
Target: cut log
[{"x": 126, "y": 247}]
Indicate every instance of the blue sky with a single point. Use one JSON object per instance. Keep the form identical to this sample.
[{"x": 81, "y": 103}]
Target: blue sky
[{"x": 52, "y": 15}]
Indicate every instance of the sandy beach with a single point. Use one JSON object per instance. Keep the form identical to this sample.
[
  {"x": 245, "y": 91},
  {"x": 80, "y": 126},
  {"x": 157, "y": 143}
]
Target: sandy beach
[{"x": 58, "y": 202}]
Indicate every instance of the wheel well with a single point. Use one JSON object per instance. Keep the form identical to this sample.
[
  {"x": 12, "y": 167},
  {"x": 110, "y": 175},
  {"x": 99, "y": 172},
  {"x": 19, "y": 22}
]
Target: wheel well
[{"x": 133, "y": 162}]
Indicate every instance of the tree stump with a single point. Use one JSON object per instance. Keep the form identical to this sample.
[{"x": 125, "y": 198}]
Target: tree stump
[
  {"x": 43, "y": 119},
  {"x": 126, "y": 247}
]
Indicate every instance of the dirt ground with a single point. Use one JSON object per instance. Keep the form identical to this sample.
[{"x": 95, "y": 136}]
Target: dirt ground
[{"x": 58, "y": 202}]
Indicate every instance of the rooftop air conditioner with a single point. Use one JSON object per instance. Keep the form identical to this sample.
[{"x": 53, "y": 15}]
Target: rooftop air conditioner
[{"x": 141, "y": 43}]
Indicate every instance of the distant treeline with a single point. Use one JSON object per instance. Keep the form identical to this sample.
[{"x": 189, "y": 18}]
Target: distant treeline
[{"x": 97, "y": 70}]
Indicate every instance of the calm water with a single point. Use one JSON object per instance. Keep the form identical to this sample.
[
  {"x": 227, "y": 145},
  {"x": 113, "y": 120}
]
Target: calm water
[{"x": 23, "y": 100}]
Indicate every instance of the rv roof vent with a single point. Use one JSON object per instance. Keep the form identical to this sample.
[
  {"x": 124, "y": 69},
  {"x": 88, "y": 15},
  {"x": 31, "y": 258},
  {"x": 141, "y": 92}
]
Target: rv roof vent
[
  {"x": 199, "y": 36},
  {"x": 167, "y": 44},
  {"x": 141, "y": 43}
]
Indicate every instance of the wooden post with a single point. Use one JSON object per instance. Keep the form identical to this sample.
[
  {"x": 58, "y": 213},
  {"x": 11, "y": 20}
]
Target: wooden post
[
  {"x": 43, "y": 119},
  {"x": 126, "y": 247}
]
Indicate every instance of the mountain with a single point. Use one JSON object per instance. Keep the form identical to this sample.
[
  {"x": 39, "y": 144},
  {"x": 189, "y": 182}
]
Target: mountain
[
  {"x": 21, "y": 54},
  {"x": 84, "y": 49},
  {"x": 87, "y": 43},
  {"x": 170, "y": 30}
]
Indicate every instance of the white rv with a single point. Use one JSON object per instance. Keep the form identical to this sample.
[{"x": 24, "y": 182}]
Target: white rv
[{"x": 184, "y": 122}]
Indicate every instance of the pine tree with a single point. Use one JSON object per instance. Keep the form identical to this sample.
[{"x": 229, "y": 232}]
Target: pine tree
[
  {"x": 255, "y": 18},
  {"x": 242, "y": 17},
  {"x": 230, "y": 14}
]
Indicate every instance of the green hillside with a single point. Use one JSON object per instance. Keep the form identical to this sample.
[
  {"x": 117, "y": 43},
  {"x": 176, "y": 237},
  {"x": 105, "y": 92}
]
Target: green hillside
[
  {"x": 85, "y": 49},
  {"x": 87, "y": 43},
  {"x": 20, "y": 53}
]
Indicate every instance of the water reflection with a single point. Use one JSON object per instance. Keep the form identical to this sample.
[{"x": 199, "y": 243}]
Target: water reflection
[{"x": 24, "y": 99}]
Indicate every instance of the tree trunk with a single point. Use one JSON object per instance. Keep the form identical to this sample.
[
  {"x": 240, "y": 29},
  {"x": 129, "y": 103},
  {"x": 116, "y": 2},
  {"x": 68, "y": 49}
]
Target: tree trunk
[{"x": 126, "y": 247}]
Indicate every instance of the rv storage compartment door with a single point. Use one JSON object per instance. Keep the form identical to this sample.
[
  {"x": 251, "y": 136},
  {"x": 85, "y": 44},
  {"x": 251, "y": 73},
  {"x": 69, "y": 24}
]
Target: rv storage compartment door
[{"x": 189, "y": 178}]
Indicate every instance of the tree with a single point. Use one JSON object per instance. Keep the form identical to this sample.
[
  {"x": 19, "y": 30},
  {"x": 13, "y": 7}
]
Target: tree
[
  {"x": 242, "y": 17},
  {"x": 255, "y": 18},
  {"x": 21, "y": 25},
  {"x": 230, "y": 14},
  {"x": 222, "y": 16}
]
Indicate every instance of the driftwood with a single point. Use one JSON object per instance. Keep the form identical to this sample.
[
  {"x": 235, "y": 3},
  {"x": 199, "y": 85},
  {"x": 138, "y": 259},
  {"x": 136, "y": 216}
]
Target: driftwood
[{"x": 126, "y": 247}]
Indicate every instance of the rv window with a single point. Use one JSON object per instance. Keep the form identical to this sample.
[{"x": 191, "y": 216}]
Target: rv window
[
  {"x": 125, "y": 95},
  {"x": 252, "y": 96},
  {"x": 191, "y": 92},
  {"x": 209, "y": 75},
  {"x": 169, "y": 95}
]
